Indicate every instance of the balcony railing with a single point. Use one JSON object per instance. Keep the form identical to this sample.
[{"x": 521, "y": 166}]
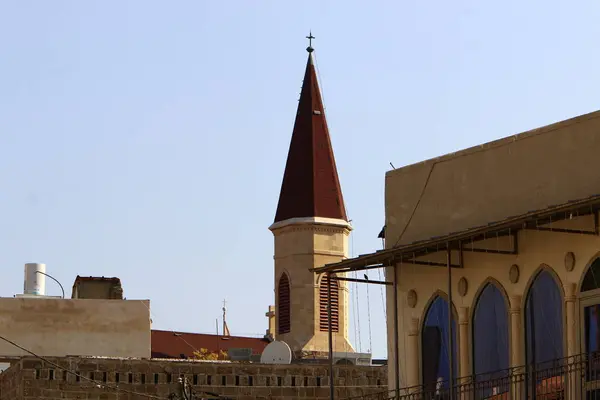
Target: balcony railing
[{"x": 572, "y": 378}]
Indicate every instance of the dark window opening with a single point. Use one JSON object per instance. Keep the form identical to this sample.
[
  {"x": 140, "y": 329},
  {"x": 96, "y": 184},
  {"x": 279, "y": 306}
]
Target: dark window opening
[
  {"x": 284, "y": 305},
  {"x": 435, "y": 349},
  {"x": 544, "y": 321},
  {"x": 51, "y": 374},
  {"x": 490, "y": 340}
]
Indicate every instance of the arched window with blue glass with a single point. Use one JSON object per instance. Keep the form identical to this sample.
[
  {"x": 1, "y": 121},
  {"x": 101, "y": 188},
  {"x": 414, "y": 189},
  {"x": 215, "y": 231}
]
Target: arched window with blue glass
[
  {"x": 544, "y": 321},
  {"x": 490, "y": 336},
  {"x": 435, "y": 344},
  {"x": 590, "y": 302}
]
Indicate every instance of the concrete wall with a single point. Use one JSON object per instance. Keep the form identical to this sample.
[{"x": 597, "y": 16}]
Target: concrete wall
[
  {"x": 537, "y": 250},
  {"x": 494, "y": 181},
  {"x": 31, "y": 378},
  {"x": 60, "y": 327}
]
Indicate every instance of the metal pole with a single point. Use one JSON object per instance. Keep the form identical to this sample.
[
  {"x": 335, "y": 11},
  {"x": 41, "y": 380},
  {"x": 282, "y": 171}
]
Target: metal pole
[
  {"x": 55, "y": 280},
  {"x": 396, "y": 344},
  {"x": 330, "y": 333},
  {"x": 450, "y": 319}
]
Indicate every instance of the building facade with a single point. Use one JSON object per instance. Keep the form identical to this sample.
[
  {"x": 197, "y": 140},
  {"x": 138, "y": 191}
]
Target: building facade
[{"x": 508, "y": 234}]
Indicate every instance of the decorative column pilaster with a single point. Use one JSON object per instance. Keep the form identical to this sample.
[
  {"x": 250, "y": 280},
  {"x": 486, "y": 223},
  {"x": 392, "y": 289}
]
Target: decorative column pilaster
[
  {"x": 412, "y": 354},
  {"x": 571, "y": 331},
  {"x": 516, "y": 356},
  {"x": 464, "y": 366},
  {"x": 571, "y": 334},
  {"x": 516, "y": 359},
  {"x": 464, "y": 359}
]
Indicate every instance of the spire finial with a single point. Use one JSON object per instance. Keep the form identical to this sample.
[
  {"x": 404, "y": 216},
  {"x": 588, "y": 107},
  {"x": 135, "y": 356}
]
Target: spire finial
[{"x": 310, "y": 37}]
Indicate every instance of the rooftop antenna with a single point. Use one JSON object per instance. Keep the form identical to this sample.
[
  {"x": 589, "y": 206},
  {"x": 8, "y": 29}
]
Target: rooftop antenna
[{"x": 225, "y": 328}]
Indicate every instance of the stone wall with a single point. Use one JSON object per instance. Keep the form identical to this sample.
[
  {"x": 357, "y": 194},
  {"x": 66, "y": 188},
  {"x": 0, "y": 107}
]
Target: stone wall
[{"x": 31, "y": 378}]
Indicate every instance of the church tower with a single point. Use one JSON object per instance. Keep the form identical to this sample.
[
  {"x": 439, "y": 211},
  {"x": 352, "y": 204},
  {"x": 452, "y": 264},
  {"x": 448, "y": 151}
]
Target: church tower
[{"x": 310, "y": 229}]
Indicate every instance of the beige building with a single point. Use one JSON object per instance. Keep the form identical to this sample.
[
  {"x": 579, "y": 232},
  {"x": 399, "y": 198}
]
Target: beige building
[
  {"x": 507, "y": 232},
  {"x": 55, "y": 327},
  {"x": 310, "y": 229}
]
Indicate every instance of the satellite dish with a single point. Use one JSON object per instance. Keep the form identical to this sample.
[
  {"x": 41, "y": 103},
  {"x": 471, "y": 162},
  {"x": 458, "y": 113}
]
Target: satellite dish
[{"x": 276, "y": 353}]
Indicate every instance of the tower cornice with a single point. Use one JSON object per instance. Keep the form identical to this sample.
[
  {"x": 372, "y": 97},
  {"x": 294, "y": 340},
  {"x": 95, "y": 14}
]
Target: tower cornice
[{"x": 326, "y": 222}]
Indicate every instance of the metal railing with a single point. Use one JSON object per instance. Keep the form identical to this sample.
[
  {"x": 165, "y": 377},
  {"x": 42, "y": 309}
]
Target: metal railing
[{"x": 572, "y": 378}]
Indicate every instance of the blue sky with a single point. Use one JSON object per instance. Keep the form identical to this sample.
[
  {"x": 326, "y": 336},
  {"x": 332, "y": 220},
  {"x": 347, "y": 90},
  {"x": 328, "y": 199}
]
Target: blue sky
[{"x": 147, "y": 139}]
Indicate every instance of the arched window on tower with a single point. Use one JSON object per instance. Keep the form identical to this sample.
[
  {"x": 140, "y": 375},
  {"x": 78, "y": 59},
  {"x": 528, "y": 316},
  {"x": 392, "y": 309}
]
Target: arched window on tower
[
  {"x": 335, "y": 305},
  {"x": 283, "y": 305}
]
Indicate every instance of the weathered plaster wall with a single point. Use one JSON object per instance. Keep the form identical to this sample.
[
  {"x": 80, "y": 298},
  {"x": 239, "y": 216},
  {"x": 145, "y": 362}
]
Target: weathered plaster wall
[{"x": 60, "y": 327}]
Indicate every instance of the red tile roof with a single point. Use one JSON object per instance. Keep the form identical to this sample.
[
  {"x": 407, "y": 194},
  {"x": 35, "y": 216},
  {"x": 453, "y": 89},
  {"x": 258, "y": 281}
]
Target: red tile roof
[
  {"x": 310, "y": 187},
  {"x": 169, "y": 344}
]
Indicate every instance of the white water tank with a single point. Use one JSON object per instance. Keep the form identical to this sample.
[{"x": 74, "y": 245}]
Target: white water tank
[{"x": 35, "y": 283}]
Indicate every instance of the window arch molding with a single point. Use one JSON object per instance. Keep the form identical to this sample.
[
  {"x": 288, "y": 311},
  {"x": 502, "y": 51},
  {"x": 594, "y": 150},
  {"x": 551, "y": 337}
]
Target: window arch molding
[
  {"x": 584, "y": 272},
  {"x": 284, "y": 303},
  {"x": 533, "y": 277},
  {"x": 489, "y": 281},
  {"x": 432, "y": 298}
]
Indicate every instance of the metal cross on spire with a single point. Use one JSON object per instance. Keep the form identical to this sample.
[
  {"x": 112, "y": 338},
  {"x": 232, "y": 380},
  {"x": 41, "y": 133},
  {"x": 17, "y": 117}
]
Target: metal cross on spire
[{"x": 310, "y": 37}]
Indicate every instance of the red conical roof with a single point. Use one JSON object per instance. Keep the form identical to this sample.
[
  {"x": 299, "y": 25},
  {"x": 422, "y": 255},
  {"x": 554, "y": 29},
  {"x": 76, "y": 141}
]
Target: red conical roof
[{"x": 310, "y": 187}]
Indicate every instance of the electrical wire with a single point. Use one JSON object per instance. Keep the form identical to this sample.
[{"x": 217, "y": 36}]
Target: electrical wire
[
  {"x": 369, "y": 320},
  {"x": 383, "y": 305},
  {"x": 97, "y": 384}
]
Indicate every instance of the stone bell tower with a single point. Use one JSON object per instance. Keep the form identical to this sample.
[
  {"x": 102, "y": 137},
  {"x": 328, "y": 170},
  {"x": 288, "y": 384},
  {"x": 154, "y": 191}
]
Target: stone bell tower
[{"x": 310, "y": 229}]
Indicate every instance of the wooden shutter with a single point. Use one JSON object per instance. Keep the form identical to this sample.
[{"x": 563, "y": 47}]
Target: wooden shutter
[
  {"x": 283, "y": 294},
  {"x": 335, "y": 305}
]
